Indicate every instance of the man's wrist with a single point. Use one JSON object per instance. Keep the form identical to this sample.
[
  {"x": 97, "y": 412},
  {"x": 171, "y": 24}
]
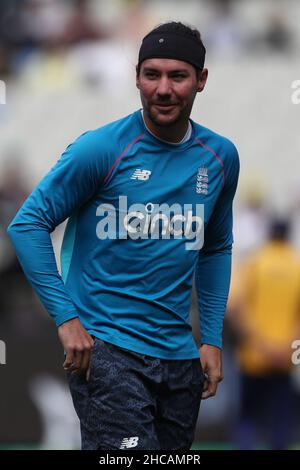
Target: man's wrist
[
  {"x": 212, "y": 341},
  {"x": 210, "y": 345},
  {"x": 65, "y": 318}
]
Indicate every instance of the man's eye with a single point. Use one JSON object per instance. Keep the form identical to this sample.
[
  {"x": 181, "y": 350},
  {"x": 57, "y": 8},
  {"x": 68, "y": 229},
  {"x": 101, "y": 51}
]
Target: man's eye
[
  {"x": 151, "y": 75},
  {"x": 179, "y": 76}
]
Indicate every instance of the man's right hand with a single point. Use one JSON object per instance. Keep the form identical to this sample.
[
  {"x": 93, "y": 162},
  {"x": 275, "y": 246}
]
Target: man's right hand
[{"x": 78, "y": 344}]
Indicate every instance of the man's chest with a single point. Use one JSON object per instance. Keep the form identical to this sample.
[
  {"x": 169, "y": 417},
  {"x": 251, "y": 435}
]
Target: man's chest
[{"x": 178, "y": 180}]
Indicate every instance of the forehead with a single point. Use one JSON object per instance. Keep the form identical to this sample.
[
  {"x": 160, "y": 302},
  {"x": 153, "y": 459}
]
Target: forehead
[{"x": 167, "y": 65}]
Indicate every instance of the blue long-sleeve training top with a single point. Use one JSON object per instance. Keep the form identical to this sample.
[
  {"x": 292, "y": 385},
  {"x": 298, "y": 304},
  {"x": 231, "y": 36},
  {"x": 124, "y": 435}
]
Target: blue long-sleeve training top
[{"x": 138, "y": 208}]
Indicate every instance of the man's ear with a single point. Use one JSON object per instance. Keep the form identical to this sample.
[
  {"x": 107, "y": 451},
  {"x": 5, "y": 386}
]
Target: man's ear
[{"x": 202, "y": 80}]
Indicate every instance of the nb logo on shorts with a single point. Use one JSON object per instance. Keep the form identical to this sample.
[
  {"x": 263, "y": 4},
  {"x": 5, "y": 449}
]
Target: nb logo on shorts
[
  {"x": 129, "y": 442},
  {"x": 141, "y": 175}
]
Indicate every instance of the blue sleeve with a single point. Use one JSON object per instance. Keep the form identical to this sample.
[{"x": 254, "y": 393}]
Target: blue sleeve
[
  {"x": 68, "y": 185},
  {"x": 213, "y": 268}
]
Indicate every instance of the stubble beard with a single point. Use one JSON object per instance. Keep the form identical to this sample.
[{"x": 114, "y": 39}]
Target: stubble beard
[{"x": 164, "y": 124}]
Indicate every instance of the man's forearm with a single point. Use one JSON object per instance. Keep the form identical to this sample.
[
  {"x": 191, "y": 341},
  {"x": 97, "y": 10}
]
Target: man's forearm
[
  {"x": 34, "y": 250},
  {"x": 212, "y": 285}
]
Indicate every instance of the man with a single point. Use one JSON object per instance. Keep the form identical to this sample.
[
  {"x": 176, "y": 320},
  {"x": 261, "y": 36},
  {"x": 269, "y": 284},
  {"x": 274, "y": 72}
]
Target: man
[
  {"x": 134, "y": 191},
  {"x": 265, "y": 313}
]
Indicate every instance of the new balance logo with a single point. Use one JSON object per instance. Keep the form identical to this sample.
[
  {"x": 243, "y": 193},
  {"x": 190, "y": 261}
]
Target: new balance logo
[
  {"x": 141, "y": 175},
  {"x": 129, "y": 442}
]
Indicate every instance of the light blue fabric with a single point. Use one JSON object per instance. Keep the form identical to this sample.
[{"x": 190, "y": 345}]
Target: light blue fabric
[{"x": 134, "y": 293}]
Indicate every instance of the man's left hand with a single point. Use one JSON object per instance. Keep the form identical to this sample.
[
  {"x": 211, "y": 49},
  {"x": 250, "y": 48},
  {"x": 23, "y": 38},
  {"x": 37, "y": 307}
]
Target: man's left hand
[{"x": 211, "y": 361}]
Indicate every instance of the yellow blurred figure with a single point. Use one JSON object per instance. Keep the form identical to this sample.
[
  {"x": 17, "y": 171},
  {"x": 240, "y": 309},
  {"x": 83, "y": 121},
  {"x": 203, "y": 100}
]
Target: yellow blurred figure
[
  {"x": 265, "y": 312},
  {"x": 270, "y": 287}
]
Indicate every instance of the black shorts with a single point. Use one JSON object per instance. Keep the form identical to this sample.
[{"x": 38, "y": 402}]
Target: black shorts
[{"x": 133, "y": 401}]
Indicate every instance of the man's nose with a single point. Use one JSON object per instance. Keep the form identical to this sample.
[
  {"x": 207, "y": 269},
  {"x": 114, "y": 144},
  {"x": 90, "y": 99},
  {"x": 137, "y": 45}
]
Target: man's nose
[{"x": 164, "y": 87}]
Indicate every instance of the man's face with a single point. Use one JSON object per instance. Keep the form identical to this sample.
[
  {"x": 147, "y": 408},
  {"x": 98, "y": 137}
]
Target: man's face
[{"x": 168, "y": 88}]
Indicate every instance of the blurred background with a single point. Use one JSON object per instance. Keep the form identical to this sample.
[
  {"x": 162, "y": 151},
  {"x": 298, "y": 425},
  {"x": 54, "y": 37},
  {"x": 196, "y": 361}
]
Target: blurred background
[{"x": 69, "y": 66}]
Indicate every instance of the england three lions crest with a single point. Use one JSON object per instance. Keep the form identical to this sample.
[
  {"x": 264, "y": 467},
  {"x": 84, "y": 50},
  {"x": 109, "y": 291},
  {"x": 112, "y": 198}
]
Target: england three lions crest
[{"x": 202, "y": 180}]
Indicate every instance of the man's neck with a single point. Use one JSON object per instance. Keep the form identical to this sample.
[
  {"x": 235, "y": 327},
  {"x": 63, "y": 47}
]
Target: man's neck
[{"x": 173, "y": 134}]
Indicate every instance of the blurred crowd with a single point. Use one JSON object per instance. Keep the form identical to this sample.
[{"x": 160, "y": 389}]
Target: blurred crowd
[
  {"x": 61, "y": 43},
  {"x": 57, "y": 34}
]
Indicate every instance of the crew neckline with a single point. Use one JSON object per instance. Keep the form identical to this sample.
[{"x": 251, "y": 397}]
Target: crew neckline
[
  {"x": 165, "y": 143},
  {"x": 184, "y": 139}
]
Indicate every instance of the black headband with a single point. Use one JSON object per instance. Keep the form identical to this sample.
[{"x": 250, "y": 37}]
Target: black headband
[{"x": 172, "y": 45}]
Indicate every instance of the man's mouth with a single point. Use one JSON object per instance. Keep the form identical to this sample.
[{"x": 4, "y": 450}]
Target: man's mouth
[{"x": 164, "y": 106}]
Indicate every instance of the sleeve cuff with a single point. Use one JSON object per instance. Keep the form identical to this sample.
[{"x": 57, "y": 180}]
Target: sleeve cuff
[
  {"x": 212, "y": 341},
  {"x": 60, "y": 319}
]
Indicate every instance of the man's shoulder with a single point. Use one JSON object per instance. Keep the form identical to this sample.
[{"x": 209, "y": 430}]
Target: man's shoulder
[
  {"x": 105, "y": 142},
  {"x": 218, "y": 144},
  {"x": 110, "y": 135},
  {"x": 115, "y": 131}
]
